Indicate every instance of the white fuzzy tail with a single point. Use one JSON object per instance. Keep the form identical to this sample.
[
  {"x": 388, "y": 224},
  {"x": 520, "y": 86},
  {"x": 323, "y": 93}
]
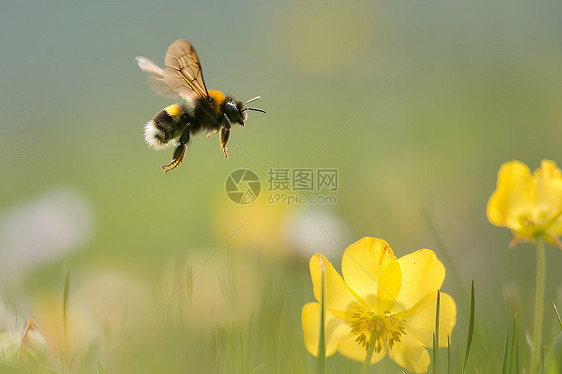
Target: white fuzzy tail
[{"x": 154, "y": 137}]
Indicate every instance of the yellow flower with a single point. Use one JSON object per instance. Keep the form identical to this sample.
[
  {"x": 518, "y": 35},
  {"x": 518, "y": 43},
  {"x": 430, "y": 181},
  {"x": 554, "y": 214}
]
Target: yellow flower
[
  {"x": 529, "y": 205},
  {"x": 395, "y": 299}
]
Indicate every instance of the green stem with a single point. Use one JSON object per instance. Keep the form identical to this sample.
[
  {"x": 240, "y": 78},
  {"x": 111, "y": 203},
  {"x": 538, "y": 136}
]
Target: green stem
[
  {"x": 370, "y": 349},
  {"x": 539, "y": 301}
]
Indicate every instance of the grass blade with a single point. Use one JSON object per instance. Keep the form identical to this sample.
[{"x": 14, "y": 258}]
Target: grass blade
[
  {"x": 448, "y": 354},
  {"x": 557, "y": 315},
  {"x": 434, "y": 366},
  {"x": 436, "y": 336},
  {"x": 488, "y": 349},
  {"x": 505, "y": 352},
  {"x": 242, "y": 353},
  {"x": 512, "y": 346},
  {"x": 517, "y": 368},
  {"x": 65, "y": 297},
  {"x": 470, "y": 327},
  {"x": 553, "y": 363},
  {"x": 542, "y": 360}
]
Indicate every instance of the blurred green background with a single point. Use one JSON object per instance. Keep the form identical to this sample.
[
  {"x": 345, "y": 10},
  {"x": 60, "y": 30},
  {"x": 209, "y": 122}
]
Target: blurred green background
[{"x": 416, "y": 103}]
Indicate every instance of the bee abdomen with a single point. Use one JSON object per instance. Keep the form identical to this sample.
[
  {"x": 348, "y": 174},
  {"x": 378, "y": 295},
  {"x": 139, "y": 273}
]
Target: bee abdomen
[
  {"x": 164, "y": 128},
  {"x": 155, "y": 137}
]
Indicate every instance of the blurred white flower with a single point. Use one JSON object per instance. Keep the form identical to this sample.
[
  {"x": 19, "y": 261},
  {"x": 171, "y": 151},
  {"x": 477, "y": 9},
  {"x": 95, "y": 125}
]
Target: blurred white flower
[
  {"x": 42, "y": 230},
  {"x": 311, "y": 229},
  {"x": 8, "y": 319},
  {"x": 103, "y": 307}
]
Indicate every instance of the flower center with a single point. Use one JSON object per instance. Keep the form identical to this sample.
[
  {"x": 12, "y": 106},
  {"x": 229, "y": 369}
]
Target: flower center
[
  {"x": 538, "y": 221},
  {"x": 386, "y": 328}
]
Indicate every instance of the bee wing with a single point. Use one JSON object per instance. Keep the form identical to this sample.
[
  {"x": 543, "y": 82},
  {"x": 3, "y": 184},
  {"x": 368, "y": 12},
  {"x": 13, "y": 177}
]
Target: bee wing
[
  {"x": 150, "y": 67},
  {"x": 156, "y": 79},
  {"x": 183, "y": 71},
  {"x": 159, "y": 86}
]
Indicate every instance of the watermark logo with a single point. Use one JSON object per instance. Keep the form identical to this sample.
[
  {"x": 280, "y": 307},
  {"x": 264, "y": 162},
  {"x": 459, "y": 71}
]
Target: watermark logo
[
  {"x": 287, "y": 186},
  {"x": 242, "y": 186}
]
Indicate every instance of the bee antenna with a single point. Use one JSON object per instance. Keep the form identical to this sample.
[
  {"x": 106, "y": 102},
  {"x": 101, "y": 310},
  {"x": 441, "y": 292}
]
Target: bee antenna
[
  {"x": 256, "y": 109},
  {"x": 253, "y": 99}
]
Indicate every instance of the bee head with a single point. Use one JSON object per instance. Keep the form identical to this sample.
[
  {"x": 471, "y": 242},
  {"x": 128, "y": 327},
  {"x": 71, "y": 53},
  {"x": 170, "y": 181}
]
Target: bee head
[
  {"x": 235, "y": 112},
  {"x": 239, "y": 110}
]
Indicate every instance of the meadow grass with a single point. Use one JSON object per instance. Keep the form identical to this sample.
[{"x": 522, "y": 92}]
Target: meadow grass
[{"x": 178, "y": 337}]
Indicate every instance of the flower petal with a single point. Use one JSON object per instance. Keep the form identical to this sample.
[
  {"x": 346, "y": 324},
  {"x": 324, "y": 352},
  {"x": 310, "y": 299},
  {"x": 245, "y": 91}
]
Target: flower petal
[
  {"x": 548, "y": 180},
  {"x": 337, "y": 296},
  {"x": 514, "y": 196},
  {"x": 389, "y": 287},
  {"x": 556, "y": 229},
  {"x": 363, "y": 263},
  {"x": 335, "y": 330},
  {"x": 422, "y": 273},
  {"x": 410, "y": 354},
  {"x": 421, "y": 324},
  {"x": 356, "y": 352}
]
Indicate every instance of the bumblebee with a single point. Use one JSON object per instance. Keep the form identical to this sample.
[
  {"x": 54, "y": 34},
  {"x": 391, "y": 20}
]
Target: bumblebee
[{"x": 203, "y": 110}]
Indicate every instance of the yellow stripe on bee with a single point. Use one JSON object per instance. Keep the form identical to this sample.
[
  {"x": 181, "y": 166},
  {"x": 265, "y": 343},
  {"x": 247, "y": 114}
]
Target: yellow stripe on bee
[
  {"x": 173, "y": 110},
  {"x": 217, "y": 96},
  {"x": 218, "y": 100}
]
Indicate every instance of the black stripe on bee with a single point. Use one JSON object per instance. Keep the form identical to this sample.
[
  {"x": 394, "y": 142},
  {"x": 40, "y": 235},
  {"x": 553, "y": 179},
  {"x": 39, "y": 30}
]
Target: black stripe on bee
[{"x": 166, "y": 126}]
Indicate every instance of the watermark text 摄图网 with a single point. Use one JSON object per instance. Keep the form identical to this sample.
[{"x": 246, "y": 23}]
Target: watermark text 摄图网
[{"x": 302, "y": 179}]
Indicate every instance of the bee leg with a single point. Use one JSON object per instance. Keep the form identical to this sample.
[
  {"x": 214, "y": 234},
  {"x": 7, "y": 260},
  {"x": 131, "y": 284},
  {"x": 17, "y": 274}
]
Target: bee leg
[
  {"x": 212, "y": 133},
  {"x": 177, "y": 159},
  {"x": 179, "y": 152},
  {"x": 224, "y": 135}
]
